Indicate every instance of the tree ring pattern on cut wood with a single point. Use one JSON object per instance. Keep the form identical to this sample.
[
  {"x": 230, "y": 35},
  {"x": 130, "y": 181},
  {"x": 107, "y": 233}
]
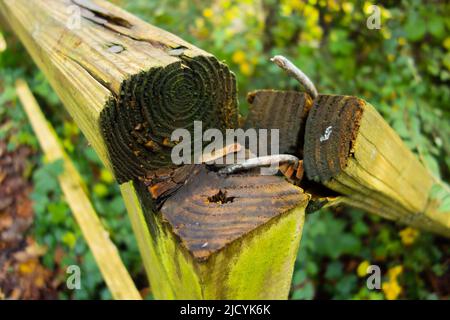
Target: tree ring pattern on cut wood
[
  {"x": 282, "y": 110},
  {"x": 331, "y": 130},
  {"x": 211, "y": 210},
  {"x": 138, "y": 124}
]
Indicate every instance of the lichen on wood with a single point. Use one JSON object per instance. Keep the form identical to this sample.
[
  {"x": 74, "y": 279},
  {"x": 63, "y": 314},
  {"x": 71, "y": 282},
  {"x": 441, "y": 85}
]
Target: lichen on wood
[{"x": 351, "y": 150}]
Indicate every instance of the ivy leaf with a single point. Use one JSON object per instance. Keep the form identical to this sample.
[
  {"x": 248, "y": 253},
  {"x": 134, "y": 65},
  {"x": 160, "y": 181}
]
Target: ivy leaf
[
  {"x": 432, "y": 164},
  {"x": 58, "y": 212},
  {"x": 436, "y": 26},
  {"x": 415, "y": 27},
  {"x": 334, "y": 270},
  {"x": 304, "y": 293},
  {"x": 69, "y": 239}
]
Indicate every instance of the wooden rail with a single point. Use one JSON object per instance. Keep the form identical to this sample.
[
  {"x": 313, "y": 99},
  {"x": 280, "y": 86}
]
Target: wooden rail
[
  {"x": 104, "y": 251},
  {"x": 351, "y": 149}
]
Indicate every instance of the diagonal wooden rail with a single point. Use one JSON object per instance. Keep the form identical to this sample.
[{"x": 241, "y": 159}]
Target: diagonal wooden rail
[
  {"x": 352, "y": 150},
  {"x": 104, "y": 251}
]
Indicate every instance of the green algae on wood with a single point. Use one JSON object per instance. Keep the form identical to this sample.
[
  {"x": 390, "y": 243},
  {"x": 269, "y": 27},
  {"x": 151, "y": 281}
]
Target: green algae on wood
[{"x": 256, "y": 265}]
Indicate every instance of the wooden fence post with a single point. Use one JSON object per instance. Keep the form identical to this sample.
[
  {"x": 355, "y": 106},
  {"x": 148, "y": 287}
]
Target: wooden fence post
[{"x": 128, "y": 85}]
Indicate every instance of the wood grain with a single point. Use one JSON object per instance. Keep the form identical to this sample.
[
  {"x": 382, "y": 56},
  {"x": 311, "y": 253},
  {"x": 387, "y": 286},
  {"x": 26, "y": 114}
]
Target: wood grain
[
  {"x": 282, "y": 110},
  {"x": 210, "y": 211}
]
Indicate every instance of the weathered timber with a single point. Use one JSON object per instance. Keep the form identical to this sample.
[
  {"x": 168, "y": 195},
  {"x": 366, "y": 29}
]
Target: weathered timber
[
  {"x": 282, "y": 110},
  {"x": 351, "y": 149},
  {"x": 128, "y": 85},
  {"x": 352, "y": 156},
  {"x": 233, "y": 237},
  {"x": 104, "y": 251},
  {"x": 287, "y": 111}
]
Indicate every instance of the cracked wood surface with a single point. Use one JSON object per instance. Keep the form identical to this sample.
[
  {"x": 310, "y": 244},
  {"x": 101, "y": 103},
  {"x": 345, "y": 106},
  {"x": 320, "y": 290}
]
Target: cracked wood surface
[
  {"x": 282, "y": 110},
  {"x": 210, "y": 210}
]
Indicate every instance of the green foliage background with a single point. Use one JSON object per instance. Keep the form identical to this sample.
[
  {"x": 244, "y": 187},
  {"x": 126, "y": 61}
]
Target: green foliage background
[{"x": 403, "y": 69}]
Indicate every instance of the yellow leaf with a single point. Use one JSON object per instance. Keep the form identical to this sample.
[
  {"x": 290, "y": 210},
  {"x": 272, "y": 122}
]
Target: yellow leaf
[
  {"x": 208, "y": 13},
  {"x": 69, "y": 239},
  {"x": 245, "y": 69},
  {"x": 100, "y": 189},
  {"x": 238, "y": 56},
  {"x": 446, "y": 43},
  {"x": 39, "y": 281},
  {"x": 391, "y": 290},
  {"x": 347, "y": 7},
  {"x": 106, "y": 176},
  {"x": 361, "y": 271},
  {"x": 395, "y": 272},
  {"x": 401, "y": 41},
  {"x": 408, "y": 236},
  {"x": 367, "y": 7},
  {"x": 27, "y": 267}
]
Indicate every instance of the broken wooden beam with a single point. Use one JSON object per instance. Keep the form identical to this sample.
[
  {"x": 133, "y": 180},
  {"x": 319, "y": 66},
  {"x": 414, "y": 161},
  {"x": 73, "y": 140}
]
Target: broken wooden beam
[
  {"x": 352, "y": 150},
  {"x": 128, "y": 85},
  {"x": 282, "y": 110},
  {"x": 352, "y": 156}
]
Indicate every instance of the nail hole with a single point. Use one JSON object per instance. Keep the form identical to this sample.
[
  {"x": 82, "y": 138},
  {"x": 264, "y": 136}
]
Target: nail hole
[
  {"x": 221, "y": 198},
  {"x": 115, "y": 48}
]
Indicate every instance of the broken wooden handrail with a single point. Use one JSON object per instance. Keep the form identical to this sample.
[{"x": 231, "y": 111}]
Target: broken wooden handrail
[
  {"x": 127, "y": 85},
  {"x": 350, "y": 149}
]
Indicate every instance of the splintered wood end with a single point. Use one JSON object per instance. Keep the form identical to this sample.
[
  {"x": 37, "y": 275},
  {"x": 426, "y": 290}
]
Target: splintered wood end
[{"x": 331, "y": 130}]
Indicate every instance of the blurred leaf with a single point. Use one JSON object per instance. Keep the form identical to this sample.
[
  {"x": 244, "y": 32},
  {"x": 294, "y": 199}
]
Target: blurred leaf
[
  {"x": 304, "y": 293},
  {"x": 415, "y": 27},
  {"x": 334, "y": 270}
]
